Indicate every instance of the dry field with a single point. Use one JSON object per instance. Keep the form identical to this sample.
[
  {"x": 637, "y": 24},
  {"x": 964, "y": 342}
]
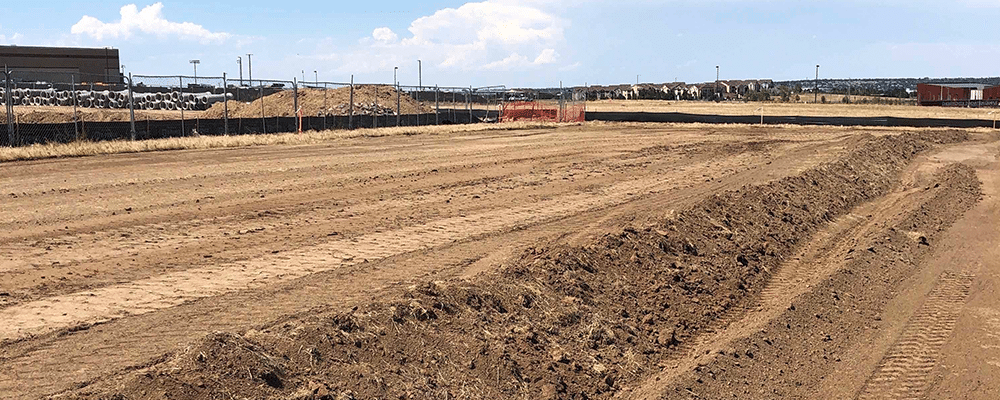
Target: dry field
[
  {"x": 557, "y": 261},
  {"x": 790, "y": 109}
]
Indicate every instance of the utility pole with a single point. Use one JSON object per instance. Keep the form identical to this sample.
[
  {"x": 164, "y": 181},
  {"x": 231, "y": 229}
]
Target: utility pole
[
  {"x": 315, "y": 72},
  {"x": 394, "y": 69},
  {"x": 239, "y": 61},
  {"x": 195, "y": 63},
  {"x": 816, "y": 94},
  {"x": 250, "y": 68}
]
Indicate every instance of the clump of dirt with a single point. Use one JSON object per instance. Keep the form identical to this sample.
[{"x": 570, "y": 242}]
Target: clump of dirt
[
  {"x": 568, "y": 322},
  {"x": 368, "y": 100}
]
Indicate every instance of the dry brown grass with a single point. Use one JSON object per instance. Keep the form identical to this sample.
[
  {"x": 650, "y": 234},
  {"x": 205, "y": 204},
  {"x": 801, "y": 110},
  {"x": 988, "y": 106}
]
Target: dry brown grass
[
  {"x": 789, "y": 109},
  {"x": 83, "y": 148}
]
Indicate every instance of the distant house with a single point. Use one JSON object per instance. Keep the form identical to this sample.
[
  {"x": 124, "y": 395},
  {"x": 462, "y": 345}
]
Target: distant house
[
  {"x": 724, "y": 87},
  {"x": 694, "y": 91}
]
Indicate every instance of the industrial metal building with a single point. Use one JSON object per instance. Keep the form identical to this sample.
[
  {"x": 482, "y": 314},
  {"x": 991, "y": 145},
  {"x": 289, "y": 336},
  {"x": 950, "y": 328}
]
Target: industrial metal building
[
  {"x": 62, "y": 64},
  {"x": 957, "y": 94}
]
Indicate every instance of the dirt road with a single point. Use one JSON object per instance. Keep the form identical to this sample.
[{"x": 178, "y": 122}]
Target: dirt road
[{"x": 108, "y": 263}]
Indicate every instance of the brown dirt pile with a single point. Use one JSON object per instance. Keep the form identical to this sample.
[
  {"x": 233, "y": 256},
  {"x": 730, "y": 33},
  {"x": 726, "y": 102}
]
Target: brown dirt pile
[
  {"x": 57, "y": 115},
  {"x": 791, "y": 356},
  {"x": 563, "y": 322},
  {"x": 368, "y": 100}
]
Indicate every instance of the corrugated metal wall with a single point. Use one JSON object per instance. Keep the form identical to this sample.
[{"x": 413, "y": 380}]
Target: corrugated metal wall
[
  {"x": 928, "y": 92},
  {"x": 992, "y": 93}
]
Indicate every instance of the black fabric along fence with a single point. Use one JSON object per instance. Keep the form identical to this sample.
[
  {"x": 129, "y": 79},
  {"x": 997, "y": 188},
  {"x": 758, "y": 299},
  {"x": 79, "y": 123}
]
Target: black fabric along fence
[{"x": 26, "y": 134}]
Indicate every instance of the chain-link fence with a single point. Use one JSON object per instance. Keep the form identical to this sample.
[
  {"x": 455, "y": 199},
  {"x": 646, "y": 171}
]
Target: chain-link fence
[
  {"x": 556, "y": 105},
  {"x": 81, "y": 108},
  {"x": 148, "y": 106}
]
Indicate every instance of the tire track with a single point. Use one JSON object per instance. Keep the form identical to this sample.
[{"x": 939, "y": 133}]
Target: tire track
[{"x": 904, "y": 372}]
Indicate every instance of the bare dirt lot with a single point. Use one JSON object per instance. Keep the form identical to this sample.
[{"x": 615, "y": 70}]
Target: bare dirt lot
[
  {"x": 791, "y": 109},
  {"x": 600, "y": 260}
]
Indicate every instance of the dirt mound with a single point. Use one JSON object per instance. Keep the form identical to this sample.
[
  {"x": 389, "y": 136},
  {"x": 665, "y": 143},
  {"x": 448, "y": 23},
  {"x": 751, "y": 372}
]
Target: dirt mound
[
  {"x": 798, "y": 349},
  {"x": 56, "y": 114},
  {"x": 368, "y": 100},
  {"x": 569, "y": 322}
]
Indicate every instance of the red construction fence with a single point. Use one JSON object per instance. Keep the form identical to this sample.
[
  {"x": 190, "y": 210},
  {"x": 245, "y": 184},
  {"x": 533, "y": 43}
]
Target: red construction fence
[{"x": 548, "y": 112}]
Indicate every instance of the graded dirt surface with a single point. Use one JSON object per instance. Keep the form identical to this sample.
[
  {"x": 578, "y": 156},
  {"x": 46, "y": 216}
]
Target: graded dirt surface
[
  {"x": 790, "y": 109},
  {"x": 597, "y": 260}
]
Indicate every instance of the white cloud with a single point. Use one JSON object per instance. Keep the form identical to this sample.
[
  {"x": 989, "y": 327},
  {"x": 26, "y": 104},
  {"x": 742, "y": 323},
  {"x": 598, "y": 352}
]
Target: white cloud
[
  {"x": 571, "y": 67},
  {"x": 488, "y": 35},
  {"x": 548, "y": 56},
  {"x": 151, "y": 21},
  {"x": 13, "y": 39},
  {"x": 385, "y": 35}
]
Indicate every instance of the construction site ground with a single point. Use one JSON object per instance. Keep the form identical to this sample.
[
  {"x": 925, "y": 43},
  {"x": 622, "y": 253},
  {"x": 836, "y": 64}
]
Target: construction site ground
[{"x": 169, "y": 274}]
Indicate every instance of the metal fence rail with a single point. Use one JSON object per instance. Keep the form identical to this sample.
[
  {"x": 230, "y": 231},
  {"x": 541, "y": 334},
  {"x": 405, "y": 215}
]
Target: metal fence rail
[{"x": 156, "y": 106}]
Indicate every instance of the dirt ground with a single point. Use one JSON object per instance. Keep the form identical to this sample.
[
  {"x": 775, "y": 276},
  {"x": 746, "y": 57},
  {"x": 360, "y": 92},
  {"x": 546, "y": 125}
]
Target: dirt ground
[
  {"x": 585, "y": 261},
  {"x": 791, "y": 109}
]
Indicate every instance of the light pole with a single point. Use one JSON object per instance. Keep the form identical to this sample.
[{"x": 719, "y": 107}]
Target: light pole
[
  {"x": 250, "y": 68},
  {"x": 394, "y": 69},
  {"x": 816, "y": 94},
  {"x": 717, "y": 82},
  {"x": 316, "y": 73},
  {"x": 195, "y": 63},
  {"x": 239, "y": 61}
]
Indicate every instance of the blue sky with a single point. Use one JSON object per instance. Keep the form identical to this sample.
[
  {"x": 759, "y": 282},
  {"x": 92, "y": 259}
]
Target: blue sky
[{"x": 529, "y": 42}]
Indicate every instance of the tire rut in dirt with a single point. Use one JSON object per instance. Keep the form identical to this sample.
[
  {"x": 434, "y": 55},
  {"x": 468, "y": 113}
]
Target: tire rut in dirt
[
  {"x": 905, "y": 372},
  {"x": 793, "y": 354}
]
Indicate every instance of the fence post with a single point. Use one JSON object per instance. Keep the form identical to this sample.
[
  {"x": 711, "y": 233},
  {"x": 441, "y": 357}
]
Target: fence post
[
  {"x": 9, "y": 101},
  {"x": 325, "y": 108},
  {"x": 469, "y": 101},
  {"x": 295, "y": 105},
  {"x": 263, "y": 119},
  {"x": 350, "y": 112},
  {"x": 562, "y": 108},
  {"x": 375, "y": 110},
  {"x": 225, "y": 105},
  {"x": 131, "y": 108},
  {"x": 397, "y": 105},
  {"x": 180, "y": 101},
  {"x": 437, "y": 106}
]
